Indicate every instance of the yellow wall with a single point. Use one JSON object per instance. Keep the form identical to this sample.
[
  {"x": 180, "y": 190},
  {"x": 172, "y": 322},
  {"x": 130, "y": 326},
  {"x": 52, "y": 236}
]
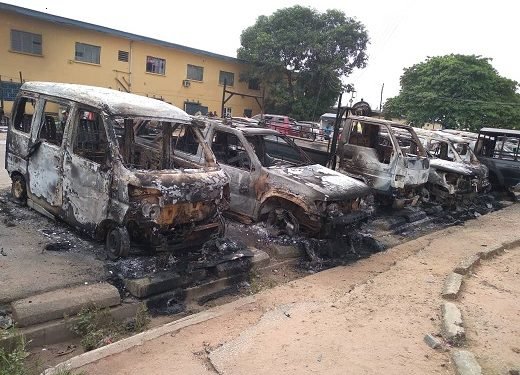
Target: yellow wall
[{"x": 57, "y": 64}]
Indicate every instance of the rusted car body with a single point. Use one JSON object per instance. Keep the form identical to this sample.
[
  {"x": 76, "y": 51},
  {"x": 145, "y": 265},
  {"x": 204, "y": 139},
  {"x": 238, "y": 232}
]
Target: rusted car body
[
  {"x": 499, "y": 150},
  {"x": 455, "y": 172},
  {"x": 386, "y": 155},
  {"x": 273, "y": 179},
  {"x": 72, "y": 153}
]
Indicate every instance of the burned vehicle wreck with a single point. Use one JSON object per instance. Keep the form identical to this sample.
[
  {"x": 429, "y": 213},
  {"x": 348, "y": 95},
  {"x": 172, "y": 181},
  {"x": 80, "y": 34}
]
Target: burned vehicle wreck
[
  {"x": 499, "y": 150},
  {"x": 387, "y": 156},
  {"x": 455, "y": 172},
  {"x": 72, "y": 153},
  {"x": 272, "y": 179}
]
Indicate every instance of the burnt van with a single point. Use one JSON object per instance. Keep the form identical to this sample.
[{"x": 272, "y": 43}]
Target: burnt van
[
  {"x": 72, "y": 153},
  {"x": 387, "y": 156}
]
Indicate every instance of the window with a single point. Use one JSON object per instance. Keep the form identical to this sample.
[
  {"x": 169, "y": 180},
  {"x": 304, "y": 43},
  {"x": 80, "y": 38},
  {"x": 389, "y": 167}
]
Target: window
[
  {"x": 53, "y": 122},
  {"x": 155, "y": 65},
  {"x": 227, "y": 111},
  {"x": 24, "y": 114},
  {"x": 195, "y": 108},
  {"x": 227, "y": 77},
  {"x": 248, "y": 112},
  {"x": 87, "y": 53},
  {"x": 372, "y": 136},
  {"x": 195, "y": 73},
  {"x": 229, "y": 150},
  {"x": 184, "y": 139},
  {"x": 91, "y": 139},
  {"x": 122, "y": 56},
  {"x": 253, "y": 84},
  {"x": 274, "y": 150},
  {"x": 22, "y": 41}
]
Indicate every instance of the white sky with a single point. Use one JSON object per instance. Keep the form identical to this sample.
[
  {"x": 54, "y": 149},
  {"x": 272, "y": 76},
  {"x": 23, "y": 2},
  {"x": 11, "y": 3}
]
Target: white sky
[{"x": 402, "y": 32}]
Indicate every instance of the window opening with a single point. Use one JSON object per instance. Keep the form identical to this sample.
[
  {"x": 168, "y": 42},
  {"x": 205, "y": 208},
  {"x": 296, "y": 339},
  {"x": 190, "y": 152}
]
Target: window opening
[
  {"x": 24, "y": 114},
  {"x": 54, "y": 119},
  {"x": 91, "y": 140}
]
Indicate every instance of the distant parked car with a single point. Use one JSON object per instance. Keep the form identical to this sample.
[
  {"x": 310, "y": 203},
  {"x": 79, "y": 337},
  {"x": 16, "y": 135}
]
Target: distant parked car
[
  {"x": 310, "y": 130},
  {"x": 245, "y": 121},
  {"x": 284, "y": 124}
]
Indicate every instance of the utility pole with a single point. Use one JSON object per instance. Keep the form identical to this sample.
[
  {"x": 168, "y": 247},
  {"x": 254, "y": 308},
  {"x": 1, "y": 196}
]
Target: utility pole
[
  {"x": 339, "y": 115},
  {"x": 381, "y": 99}
]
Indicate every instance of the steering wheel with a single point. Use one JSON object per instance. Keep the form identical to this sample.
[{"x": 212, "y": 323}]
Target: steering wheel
[{"x": 241, "y": 159}]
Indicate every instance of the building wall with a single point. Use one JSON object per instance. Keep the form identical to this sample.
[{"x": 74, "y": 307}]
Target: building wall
[{"x": 57, "y": 63}]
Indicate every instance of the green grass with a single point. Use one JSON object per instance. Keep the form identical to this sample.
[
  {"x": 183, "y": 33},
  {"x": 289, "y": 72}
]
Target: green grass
[
  {"x": 97, "y": 327},
  {"x": 12, "y": 358}
]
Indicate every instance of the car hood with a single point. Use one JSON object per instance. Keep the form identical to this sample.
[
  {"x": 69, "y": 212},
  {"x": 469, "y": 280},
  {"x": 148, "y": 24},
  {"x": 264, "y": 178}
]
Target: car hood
[
  {"x": 319, "y": 183},
  {"x": 193, "y": 185},
  {"x": 466, "y": 169}
]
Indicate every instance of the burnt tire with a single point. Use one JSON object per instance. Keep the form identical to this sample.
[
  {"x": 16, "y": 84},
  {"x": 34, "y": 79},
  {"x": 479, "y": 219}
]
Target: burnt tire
[
  {"x": 117, "y": 243},
  {"x": 282, "y": 221},
  {"x": 18, "y": 189}
]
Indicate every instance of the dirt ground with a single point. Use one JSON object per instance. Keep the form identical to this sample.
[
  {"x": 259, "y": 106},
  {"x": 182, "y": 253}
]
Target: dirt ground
[
  {"x": 366, "y": 318},
  {"x": 26, "y": 267},
  {"x": 490, "y": 305}
]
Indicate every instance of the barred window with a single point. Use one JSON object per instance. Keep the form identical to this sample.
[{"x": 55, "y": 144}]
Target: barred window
[
  {"x": 227, "y": 77},
  {"x": 22, "y": 41},
  {"x": 87, "y": 53},
  {"x": 155, "y": 65},
  {"x": 195, "y": 73}
]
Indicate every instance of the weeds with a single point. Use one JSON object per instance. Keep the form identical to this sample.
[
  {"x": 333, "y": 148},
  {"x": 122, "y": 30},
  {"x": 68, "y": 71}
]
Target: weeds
[
  {"x": 97, "y": 327},
  {"x": 142, "y": 318},
  {"x": 257, "y": 284},
  {"x": 13, "y": 356}
]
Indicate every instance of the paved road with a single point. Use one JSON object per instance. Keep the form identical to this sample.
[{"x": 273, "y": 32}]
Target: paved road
[
  {"x": 25, "y": 267},
  {"x": 367, "y": 318}
]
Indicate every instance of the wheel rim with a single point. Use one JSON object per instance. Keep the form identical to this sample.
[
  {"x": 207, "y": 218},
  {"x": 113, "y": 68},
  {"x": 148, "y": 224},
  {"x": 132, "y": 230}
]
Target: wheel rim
[
  {"x": 18, "y": 189},
  {"x": 114, "y": 244},
  {"x": 284, "y": 222}
]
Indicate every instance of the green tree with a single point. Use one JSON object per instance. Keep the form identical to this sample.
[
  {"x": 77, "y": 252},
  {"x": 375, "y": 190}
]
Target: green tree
[
  {"x": 299, "y": 55},
  {"x": 457, "y": 91}
]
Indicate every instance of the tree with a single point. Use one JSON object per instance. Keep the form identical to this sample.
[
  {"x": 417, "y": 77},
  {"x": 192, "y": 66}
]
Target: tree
[
  {"x": 299, "y": 55},
  {"x": 457, "y": 91}
]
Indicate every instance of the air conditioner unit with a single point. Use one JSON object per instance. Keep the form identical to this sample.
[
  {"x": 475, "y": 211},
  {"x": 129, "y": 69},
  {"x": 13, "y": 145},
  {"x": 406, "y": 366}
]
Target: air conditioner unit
[{"x": 186, "y": 83}]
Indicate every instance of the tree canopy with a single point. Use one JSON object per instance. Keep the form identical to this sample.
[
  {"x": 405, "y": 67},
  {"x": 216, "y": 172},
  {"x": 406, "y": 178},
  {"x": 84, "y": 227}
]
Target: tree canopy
[
  {"x": 457, "y": 91},
  {"x": 299, "y": 55}
]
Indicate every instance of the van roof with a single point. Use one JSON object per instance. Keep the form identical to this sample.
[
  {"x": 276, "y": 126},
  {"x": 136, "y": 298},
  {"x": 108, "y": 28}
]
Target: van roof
[
  {"x": 500, "y": 131},
  {"x": 112, "y": 101}
]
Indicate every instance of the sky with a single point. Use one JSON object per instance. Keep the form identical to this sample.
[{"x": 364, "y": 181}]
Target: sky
[{"x": 402, "y": 32}]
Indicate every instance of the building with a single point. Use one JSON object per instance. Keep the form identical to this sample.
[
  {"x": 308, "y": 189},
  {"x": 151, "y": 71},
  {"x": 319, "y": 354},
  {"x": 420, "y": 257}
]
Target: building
[{"x": 36, "y": 46}]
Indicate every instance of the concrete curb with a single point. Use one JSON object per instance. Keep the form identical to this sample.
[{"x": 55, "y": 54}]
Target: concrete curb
[
  {"x": 491, "y": 252},
  {"x": 53, "y": 305},
  {"x": 57, "y": 331},
  {"x": 141, "y": 338},
  {"x": 452, "y": 329},
  {"x": 467, "y": 264},
  {"x": 465, "y": 363},
  {"x": 452, "y": 286},
  {"x": 452, "y": 324},
  {"x": 287, "y": 252}
]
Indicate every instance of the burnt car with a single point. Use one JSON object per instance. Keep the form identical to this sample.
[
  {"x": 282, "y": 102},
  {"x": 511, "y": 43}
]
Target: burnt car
[
  {"x": 272, "y": 179},
  {"x": 499, "y": 150},
  {"x": 72, "y": 153},
  {"x": 387, "y": 156},
  {"x": 455, "y": 172}
]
